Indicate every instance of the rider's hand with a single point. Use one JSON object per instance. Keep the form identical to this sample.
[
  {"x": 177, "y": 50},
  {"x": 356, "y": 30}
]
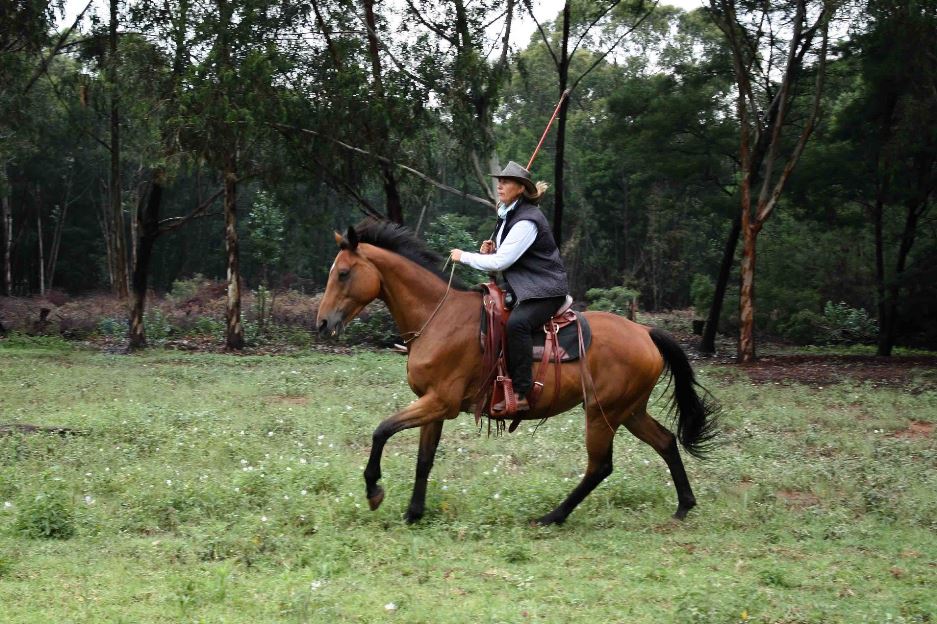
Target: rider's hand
[
  {"x": 487, "y": 247},
  {"x": 456, "y": 255}
]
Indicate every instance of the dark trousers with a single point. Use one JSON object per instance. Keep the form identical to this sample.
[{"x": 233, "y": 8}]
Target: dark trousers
[{"x": 526, "y": 317}]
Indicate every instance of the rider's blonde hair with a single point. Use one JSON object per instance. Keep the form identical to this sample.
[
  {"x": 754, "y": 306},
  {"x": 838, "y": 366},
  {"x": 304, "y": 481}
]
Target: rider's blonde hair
[{"x": 535, "y": 198}]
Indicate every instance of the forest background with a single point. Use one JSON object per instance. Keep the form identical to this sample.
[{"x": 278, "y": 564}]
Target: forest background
[{"x": 146, "y": 144}]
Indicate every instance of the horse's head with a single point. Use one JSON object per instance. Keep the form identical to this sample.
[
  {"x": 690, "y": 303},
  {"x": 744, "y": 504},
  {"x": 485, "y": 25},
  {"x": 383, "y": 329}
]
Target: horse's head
[{"x": 354, "y": 282}]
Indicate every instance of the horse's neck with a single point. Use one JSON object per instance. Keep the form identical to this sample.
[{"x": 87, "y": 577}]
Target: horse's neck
[{"x": 411, "y": 292}]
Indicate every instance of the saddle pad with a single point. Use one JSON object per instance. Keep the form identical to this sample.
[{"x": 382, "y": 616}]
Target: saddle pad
[{"x": 569, "y": 338}]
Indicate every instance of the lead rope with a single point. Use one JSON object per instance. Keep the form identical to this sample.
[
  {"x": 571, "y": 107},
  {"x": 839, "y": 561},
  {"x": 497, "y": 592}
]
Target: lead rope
[{"x": 419, "y": 333}]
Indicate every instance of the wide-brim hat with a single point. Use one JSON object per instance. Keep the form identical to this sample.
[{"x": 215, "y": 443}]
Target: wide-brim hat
[{"x": 514, "y": 171}]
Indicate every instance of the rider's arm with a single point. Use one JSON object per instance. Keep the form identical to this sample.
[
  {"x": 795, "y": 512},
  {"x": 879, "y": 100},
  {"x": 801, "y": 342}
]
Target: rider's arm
[{"x": 518, "y": 240}]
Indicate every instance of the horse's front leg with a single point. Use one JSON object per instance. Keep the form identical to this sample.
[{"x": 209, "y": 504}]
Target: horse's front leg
[
  {"x": 424, "y": 411},
  {"x": 429, "y": 440}
]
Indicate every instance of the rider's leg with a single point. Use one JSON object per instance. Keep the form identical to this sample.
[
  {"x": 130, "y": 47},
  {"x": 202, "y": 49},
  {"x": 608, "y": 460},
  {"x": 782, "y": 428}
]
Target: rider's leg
[{"x": 526, "y": 317}]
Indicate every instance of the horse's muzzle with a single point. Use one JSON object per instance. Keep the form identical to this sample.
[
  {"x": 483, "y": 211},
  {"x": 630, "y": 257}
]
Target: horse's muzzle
[{"x": 331, "y": 325}]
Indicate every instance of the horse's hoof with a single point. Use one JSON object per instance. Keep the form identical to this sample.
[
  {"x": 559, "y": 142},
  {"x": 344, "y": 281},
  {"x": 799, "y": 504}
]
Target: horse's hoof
[
  {"x": 375, "y": 501},
  {"x": 683, "y": 510},
  {"x": 412, "y": 517},
  {"x": 547, "y": 520}
]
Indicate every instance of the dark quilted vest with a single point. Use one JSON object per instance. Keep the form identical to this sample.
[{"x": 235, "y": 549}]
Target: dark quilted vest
[{"x": 539, "y": 272}]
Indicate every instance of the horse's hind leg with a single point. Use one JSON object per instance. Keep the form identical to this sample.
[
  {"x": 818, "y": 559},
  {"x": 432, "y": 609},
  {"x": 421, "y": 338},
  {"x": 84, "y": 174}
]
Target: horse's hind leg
[
  {"x": 645, "y": 428},
  {"x": 599, "y": 439},
  {"x": 429, "y": 440}
]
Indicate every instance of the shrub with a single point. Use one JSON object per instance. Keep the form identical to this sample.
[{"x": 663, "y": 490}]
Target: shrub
[
  {"x": 185, "y": 289},
  {"x": 617, "y": 299},
  {"x": 844, "y": 325},
  {"x": 375, "y": 327},
  {"x": 702, "y": 290},
  {"x": 802, "y": 327},
  {"x": 50, "y": 515},
  {"x": 451, "y": 231},
  {"x": 156, "y": 324},
  {"x": 113, "y": 327}
]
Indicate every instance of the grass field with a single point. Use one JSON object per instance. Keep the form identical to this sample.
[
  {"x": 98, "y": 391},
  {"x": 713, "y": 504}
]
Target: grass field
[{"x": 217, "y": 488}]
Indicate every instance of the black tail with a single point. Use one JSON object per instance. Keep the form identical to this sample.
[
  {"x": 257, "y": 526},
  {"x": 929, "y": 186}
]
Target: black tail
[{"x": 697, "y": 416}]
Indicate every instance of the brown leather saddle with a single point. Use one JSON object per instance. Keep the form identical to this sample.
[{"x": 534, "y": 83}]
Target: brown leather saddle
[{"x": 496, "y": 385}]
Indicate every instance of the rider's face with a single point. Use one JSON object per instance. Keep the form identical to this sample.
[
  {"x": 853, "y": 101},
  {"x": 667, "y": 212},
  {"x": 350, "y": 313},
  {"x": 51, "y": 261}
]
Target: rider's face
[{"x": 508, "y": 190}]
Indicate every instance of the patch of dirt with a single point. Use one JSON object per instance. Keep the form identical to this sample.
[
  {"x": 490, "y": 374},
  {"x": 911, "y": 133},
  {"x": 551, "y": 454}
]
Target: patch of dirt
[
  {"x": 825, "y": 370},
  {"x": 917, "y": 429},
  {"x": 797, "y": 500}
]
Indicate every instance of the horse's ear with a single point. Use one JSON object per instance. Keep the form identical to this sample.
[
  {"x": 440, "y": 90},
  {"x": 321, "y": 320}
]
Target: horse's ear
[
  {"x": 352, "y": 239},
  {"x": 339, "y": 239}
]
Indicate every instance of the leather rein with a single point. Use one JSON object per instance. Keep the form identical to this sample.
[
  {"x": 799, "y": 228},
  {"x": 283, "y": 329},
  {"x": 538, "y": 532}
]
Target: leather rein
[{"x": 419, "y": 333}]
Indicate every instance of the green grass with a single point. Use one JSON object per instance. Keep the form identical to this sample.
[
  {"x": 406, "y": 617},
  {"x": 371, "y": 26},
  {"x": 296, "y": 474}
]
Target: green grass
[{"x": 228, "y": 489}]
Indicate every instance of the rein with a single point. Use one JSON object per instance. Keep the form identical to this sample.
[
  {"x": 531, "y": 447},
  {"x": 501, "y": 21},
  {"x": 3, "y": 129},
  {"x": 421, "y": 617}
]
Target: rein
[{"x": 419, "y": 333}]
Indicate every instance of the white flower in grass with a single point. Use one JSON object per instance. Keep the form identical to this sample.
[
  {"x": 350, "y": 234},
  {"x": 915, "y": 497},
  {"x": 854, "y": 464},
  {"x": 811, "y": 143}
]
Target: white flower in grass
[
  {"x": 390, "y": 607},
  {"x": 169, "y": 482},
  {"x": 313, "y": 586},
  {"x": 89, "y": 499},
  {"x": 7, "y": 505},
  {"x": 263, "y": 518}
]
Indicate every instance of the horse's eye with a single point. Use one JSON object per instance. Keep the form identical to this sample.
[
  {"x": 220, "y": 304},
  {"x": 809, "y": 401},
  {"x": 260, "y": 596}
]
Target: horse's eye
[{"x": 343, "y": 274}]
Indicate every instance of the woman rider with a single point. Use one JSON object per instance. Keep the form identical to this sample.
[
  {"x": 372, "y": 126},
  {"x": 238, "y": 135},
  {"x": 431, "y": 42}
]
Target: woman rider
[{"x": 525, "y": 252}]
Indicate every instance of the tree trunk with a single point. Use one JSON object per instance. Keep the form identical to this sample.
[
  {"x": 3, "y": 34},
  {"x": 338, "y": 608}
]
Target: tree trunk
[
  {"x": 42, "y": 258},
  {"x": 394, "y": 205},
  {"x": 559, "y": 157},
  {"x": 878, "y": 210},
  {"x": 117, "y": 214},
  {"x": 708, "y": 341},
  {"x": 234, "y": 333},
  {"x": 746, "y": 349},
  {"x": 7, "y": 244},
  {"x": 57, "y": 241},
  {"x": 888, "y": 331},
  {"x": 148, "y": 231}
]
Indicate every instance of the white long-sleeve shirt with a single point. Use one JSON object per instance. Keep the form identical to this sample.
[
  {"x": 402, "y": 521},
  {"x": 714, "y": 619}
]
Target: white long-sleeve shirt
[{"x": 518, "y": 240}]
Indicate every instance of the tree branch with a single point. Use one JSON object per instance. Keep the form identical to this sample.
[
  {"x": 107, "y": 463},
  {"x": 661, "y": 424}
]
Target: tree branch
[
  {"x": 765, "y": 211},
  {"x": 174, "y": 223},
  {"x": 433, "y": 27},
  {"x": 543, "y": 35},
  {"x": 613, "y": 46},
  {"x": 55, "y": 49},
  {"x": 589, "y": 27},
  {"x": 419, "y": 174}
]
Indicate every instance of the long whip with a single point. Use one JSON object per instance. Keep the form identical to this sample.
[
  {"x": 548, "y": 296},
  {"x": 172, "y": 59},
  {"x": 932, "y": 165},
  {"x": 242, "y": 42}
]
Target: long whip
[
  {"x": 547, "y": 129},
  {"x": 542, "y": 138}
]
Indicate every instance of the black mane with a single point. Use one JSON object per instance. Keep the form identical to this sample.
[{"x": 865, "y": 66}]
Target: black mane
[{"x": 400, "y": 240}]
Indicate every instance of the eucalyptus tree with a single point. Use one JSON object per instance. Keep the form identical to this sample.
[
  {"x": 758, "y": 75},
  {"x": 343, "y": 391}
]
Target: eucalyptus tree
[
  {"x": 771, "y": 46},
  {"x": 231, "y": 90},
  {"x": 602, "y": 25},
  {"x": 25, "y": 31},
  {"x": 890, "y": 122}
]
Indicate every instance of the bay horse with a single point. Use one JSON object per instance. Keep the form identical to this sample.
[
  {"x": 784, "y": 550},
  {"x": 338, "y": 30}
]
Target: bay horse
[{"x": 378, "y": 259}]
